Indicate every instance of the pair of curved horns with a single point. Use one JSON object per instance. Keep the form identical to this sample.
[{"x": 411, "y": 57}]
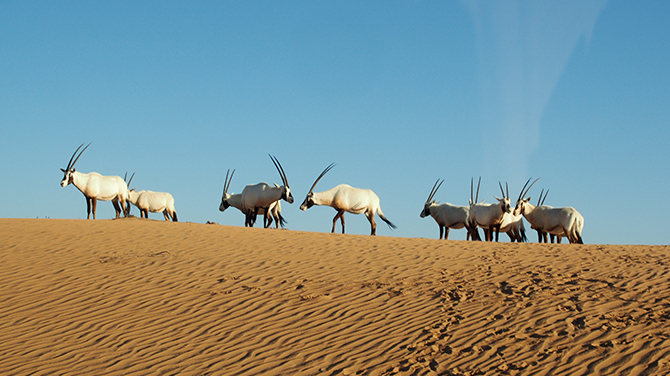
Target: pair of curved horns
[
  {"x": 540, "y": 200},
  {"x": 125, "y": 178},
  {"x": 70, "y": 165},
  {"x": 226, "y": 183},
  {"x": 524, "y": 191},
  {"x": 434, "y": 190},
  {"x": 330, "y": 166},
  {"x": 282, "y": 174}
]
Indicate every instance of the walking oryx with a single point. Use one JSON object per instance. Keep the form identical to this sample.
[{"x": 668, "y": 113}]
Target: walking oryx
[
  {"x": 446, "y": 215},
  {"x": 345, "y": 198},
  {"x": 96, "y": 187},
  {"x": 262, "y": 195},
  {"x": 155, "y": 202},
  {"x": 235, "y": 200},
  {"x": 565, "y": 220},
  {"x": 488, "y": 216}
]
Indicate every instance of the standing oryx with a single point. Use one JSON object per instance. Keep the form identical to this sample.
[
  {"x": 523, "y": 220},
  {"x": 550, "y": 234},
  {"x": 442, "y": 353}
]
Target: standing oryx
[
  {"x": 96, "y": 187},
  {"x": 262, "y": 195},
  {"x": 488, "y": 216},
  {"x": 565, "y": 221},
  {"x": 541, "y": 234},
  {"x": 235, "y": 200},
  {"x": 446, "y": 215},
  {"x": 345, "y": 198}
]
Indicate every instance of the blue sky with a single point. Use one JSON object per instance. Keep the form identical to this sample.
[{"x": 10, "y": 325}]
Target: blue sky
[{"x": 396, "y": 93}]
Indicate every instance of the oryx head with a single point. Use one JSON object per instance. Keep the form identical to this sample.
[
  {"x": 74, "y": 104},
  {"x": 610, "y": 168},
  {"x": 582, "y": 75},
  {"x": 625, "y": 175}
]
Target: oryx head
[
  {"x": 504, "y": 201},
  {"x": 226, "y": 196},
  {"x": 69, "y": 170},
  {"x": 430, "y": 202},
  {"x": 522, "y": 201},
  {"x": 286, "y": 192},
  {"x": 309, "y": 199}
]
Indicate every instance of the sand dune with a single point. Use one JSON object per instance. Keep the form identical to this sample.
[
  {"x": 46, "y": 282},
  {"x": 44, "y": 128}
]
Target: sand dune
[{"x": 136, "y": 297}]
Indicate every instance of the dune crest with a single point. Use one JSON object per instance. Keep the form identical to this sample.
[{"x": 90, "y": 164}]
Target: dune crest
[{"x": 137, "y": 297}]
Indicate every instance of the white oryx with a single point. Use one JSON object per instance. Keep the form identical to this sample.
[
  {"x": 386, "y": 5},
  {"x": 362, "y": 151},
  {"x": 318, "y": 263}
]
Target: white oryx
[
  {"x": 345, "y": 198},
  {"x": 513, "y": 226},
  {"x": 260, "y": 196},
  {"x": 96, "y": 187},
  {"x": 559, "y": 221},
  {"x": 446, "y": 215},
  {"x": 488, "y": 216},
  {"x": 155, "y": 202},
  {"x": 235, "y": 200},
  {"x": 541, "y": 234}
]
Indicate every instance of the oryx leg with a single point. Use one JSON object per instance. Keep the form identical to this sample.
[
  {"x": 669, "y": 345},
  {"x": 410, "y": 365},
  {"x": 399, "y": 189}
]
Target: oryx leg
[
  {"x": 88, "y": 208},
  {"x": 446, "y": 232},
  {"x": 441, "y": 231},
  {"x": 144, "y": 213},
  {"x": 94, "y": 204},
  {"x": 115, "y": 202},
  {"x": 166, "y": 215},
  {"x": 339, "y": 215},
  {"x": 267, "y": 221},
  {"x": 373, "y": 225},
  {"x": 497, "y": 230}
]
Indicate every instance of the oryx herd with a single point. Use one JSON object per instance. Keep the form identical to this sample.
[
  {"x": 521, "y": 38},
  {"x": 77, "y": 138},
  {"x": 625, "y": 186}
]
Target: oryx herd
[{"x": 265, "y": 199}]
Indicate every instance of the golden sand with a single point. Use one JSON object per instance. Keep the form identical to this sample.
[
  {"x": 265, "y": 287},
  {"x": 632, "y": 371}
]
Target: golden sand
[{"x": 137, "y": 297}]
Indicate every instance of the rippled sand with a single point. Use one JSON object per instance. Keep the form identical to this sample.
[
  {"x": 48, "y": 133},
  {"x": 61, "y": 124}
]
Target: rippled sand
[{"x": 136, "y": 297}]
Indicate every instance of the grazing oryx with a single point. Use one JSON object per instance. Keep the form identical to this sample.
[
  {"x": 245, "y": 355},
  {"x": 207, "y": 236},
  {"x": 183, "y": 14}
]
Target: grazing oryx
[
  {"x": 488, "y": 216},
  {"x": 345, "y": 198},
  {"x": 96, "y": 187},
  {"x": 513, "y": 226},
  {"x": 564, "y": 221},
  {"x": 235, "y": 200},
  {"x": 446, "y": 215},
  {"x": 262, "y": 195},
  {"x": 155, "y": 202}
]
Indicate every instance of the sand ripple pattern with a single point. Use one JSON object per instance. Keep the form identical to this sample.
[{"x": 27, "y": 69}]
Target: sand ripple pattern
[{"x": 137, "y": 297}]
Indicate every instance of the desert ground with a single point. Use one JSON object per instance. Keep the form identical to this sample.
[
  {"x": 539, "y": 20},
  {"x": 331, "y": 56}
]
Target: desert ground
[{"x": 136, "y": 297}]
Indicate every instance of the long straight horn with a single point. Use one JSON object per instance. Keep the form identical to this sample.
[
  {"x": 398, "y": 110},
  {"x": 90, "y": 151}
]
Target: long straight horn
[
  {"x": 478, "y": 183},
  {"x": 501, "y": 190},
  {"x": 507, "y": 190},
  {"x": 540, "y": 197},
  {"x": 226, "y": 182},
  {"x": 70, "y": 166},
  {"x": 282, "y": 175},
  {"x": 321, "y": 175},
  {"x": 472, "y": 190}
]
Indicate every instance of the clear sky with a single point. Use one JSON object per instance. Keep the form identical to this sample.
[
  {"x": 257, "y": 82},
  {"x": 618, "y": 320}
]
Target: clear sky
[{"x": 396, "y": 93}]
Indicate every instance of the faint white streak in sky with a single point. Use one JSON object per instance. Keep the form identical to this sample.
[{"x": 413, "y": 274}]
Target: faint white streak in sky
[{"x": 523, "y": 48}]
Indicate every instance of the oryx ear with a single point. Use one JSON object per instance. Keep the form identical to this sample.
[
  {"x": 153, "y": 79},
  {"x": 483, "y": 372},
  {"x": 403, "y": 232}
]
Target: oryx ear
[
  {"x": 528, "y": 199},
  {"x": 276, "y": 185},
  {"x": 498, "y": 198},
  {"x": 62, "y": 170}
]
